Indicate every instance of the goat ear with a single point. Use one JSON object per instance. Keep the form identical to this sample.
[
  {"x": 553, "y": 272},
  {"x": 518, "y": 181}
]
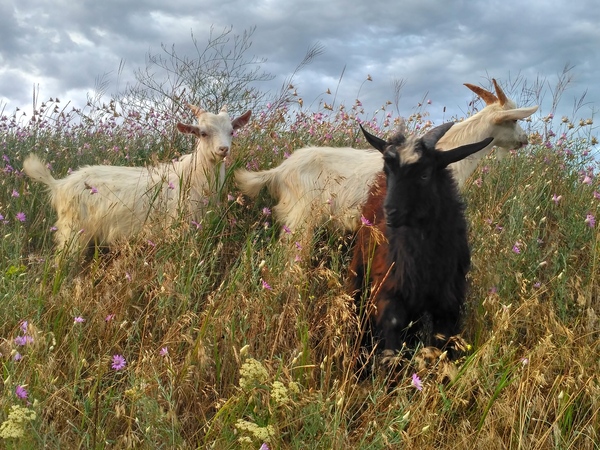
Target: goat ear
[
  {"x": 499, "y": 93},
  {"x": 514, "y": 114},
  {"x": 188, "y": 129},
  {"x": 486, "y": 96},
  {"x": 196, "y": 110},
  {"x": 241, "y": 121},
  {"x": 224, "y": 109},
  {"x": 444, "y": 158},
  {"x": 376, "y": 142}
]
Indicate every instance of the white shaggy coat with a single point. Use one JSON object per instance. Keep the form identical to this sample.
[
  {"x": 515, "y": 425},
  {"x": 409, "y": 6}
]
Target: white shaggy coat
[
  {"x": 318, "y": 185},
  {"x": 107, "y": 203}
]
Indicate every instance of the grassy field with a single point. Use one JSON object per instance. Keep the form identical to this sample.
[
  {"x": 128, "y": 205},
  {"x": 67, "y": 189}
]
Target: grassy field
[{"x": 207, "y": 336}]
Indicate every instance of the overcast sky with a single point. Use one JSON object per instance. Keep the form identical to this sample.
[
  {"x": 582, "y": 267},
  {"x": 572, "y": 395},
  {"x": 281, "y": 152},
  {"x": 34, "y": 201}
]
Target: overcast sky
[{"x": 434, "y": 46}]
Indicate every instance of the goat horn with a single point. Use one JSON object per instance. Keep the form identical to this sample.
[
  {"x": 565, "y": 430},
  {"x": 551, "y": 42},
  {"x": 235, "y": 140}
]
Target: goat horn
[
  {"x": 446, "y": 157},
  {"x": 196, "y": 110},
  {"x": 376, "y": 142},
  {"x": 486, "y": 96},
  {"x": 500, "y": 93}
]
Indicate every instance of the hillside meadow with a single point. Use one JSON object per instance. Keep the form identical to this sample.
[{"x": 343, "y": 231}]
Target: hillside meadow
[{"x": 209, "y": 336}]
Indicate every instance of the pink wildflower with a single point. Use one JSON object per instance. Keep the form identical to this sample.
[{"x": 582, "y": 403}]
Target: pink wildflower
[
  {"x": 416, "y": 382},
  {"x": 20, "y": 392},
  {"x": 590, "y": 220},
  {"x": 118, "y": 362}
]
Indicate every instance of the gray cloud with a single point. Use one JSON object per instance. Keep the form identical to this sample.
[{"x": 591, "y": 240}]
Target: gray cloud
[{"x": 434, "y": 46}]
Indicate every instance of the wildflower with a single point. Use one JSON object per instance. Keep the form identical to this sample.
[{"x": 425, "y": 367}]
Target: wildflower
[
  {"x": 118, "y": 362},
  {"x": 517, "y": 247},
  {"x": 524, "y": 361},
  {"x": 265, "y": 285},
  {"x": 587, "y": 180},
  {"x": 171, "y": 185},
  {"x": 53, "y": 228},
  {"x": 556, "y": 198},
  {"x": 93, "y": 190},
  {"x": 286, "y": 229},
  {"x": 17, "y": 356},
  {"x": 266, "y": 211},
  {"x": 597, "y": 195},
  {"x": 252, "y": 372},
  {"x": 151, "y": 244},
  {"x": 537, "y": 285},
  {"x": 264, "y": 446},
  {"x": 20, "y": 392},
  {"x": 78, "y": 319},
  {"x": 24, "y": 326},
  {"x": 590, "y": 220},
  {"x": 23, "y": 340},
  {"x": 15, "y": 193},
  {"x": 298, "y": 246},
  {"x": 14, "y": 426},
  {"x": 21, "y": 217},
  {"x": 196, "y": 224},
  {"x": 366, "y": 222},
  {"x": 109, "y": 317},
  {"x": 164, "y": 351},
  {"x": 478, "y": 182},
  {"x": 416, "y": 382},
  {"x": 297, "y": 258}
]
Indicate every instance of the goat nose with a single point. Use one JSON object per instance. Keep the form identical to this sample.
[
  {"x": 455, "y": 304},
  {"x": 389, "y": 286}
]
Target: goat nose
[{"x": 223, "y": 149}]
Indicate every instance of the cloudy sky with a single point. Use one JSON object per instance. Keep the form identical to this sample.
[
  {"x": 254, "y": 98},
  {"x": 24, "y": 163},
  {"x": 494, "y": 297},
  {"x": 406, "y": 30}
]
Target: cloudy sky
[{"x": 64, "y": 47}]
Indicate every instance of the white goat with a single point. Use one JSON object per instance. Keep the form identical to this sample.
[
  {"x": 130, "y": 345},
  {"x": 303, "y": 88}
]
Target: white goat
[
  {"x": 320, "y": 184},
  {"x": 108, "y": 203}
]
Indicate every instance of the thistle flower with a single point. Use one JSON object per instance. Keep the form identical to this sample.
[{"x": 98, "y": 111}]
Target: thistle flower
[
  {"x": 265, "y": 285},
  {"x": 21, "y": 392},
  {"x": 164, "y": 351},
  {"x": 78, "y": 319},
  {"x": 590, "y": 220},
  {"x": 21, "y": 217},
  {"x": 366, "y": 222},
  {"x": 118, "y": 362},
  {"x": 416, "y": 382}
]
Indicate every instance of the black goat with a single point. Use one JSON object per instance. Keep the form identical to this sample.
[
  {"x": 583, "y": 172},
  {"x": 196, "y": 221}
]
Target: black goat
[{"x": 415, "y": 256}]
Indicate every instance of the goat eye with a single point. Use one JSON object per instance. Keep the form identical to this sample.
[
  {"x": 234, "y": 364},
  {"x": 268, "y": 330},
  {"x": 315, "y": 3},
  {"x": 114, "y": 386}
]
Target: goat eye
[{"x": 203, "y": 133}]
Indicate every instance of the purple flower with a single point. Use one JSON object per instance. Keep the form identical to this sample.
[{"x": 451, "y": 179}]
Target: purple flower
[
  {"x": 366, "y": 222},
  {"x": 587, "y": 180},
  {"x": 171, "y": 185},
  {"x": 590, "y": 220},
  {"x": 93, "y": 190},
  {"x": 21, "y": 217},
  {"x": 14, "y": 193},
  {"x": 78, "y": 319},
  {"x": 109, "y": 317},
  {"x": 23, "y": 340},
  {"x": 24, "y": 326},
  {"x": 53, "y": 228},
  {"x": 17, "y": 356},
  {"x": 265, "y": 285},
  {"x": 597, "y": 195},
  {"x": 517, "y": 248},
  {"x": 286, "y": 229},
  {"x": 556, "y": 198},
  {"x": 118, "y": 362},
  {"x": 20, "y": 392},
  {"x": 151, "y": 244},
  {"x": 196, "y": 224},
  {"x": 264, "y": 446},
  {"x": 163, "y": 351},
  {"x": 416, "y": 382},
  {"x": 266, "y": 211}
]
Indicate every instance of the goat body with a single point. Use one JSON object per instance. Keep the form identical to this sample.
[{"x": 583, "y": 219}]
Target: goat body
[
  {"x": 325, "y": 184},
  {"x": 415, "y": 256},
  {"x": 107, "y": 203}
]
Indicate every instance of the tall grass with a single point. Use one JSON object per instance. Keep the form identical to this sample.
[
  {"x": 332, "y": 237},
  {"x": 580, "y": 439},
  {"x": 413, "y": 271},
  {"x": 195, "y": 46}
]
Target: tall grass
[{"x": 229, "y": 344}]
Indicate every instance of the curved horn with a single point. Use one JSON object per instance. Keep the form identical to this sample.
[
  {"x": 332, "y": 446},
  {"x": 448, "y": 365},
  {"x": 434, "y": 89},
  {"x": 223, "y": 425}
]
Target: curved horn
[
  {"x": 196, "y": 110},
  {"x": 486, "y": 96},
  {"x": 435, "y": 134},
  {"x": 376, "y": 142},
  {"x": 444, "y": 158},
  {"x": 500, "y": 93}
]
